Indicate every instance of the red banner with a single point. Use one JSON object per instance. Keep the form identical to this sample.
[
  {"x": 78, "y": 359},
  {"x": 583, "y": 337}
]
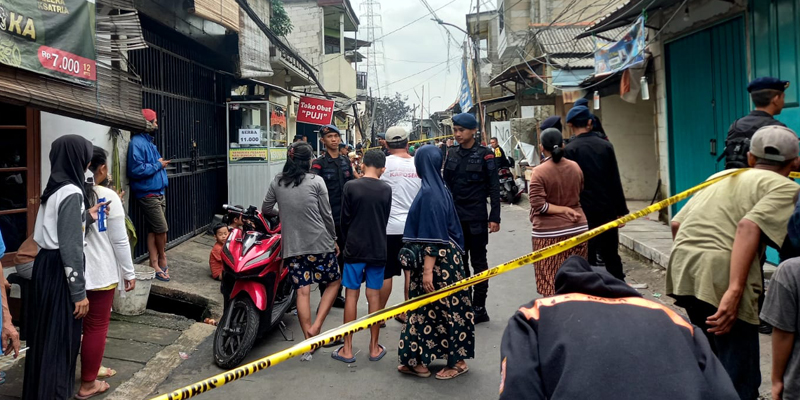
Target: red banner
[
  {"x": 67, "y": 63},
  {"x": 315, "y": 111}
]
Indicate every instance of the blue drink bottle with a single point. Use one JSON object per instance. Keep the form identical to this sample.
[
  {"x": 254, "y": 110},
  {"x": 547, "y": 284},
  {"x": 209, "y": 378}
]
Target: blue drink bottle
[{"x": 101, "y": 215}]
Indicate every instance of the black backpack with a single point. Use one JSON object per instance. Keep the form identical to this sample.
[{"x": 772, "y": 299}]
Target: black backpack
[{"x": 735, "y": 152}]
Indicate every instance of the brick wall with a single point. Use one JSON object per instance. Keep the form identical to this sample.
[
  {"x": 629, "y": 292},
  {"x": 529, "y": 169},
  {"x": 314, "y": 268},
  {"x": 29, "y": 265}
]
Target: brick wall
[{"x": 306, "y": 36}]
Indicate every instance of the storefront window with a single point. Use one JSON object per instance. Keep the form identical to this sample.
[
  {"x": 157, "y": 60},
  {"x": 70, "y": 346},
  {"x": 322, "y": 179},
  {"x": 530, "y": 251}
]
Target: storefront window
[{"x": 258, "y": 132}]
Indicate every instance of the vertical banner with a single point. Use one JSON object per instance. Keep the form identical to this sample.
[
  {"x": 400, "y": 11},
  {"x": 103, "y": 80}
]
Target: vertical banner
[
  {"x": 315, "y": 111},
  {"x": 465, "y": 95},
  {"x": 502, "y": 131},
  {"x": 50, "y": 37},
  {"x": 610, "y": 57}
]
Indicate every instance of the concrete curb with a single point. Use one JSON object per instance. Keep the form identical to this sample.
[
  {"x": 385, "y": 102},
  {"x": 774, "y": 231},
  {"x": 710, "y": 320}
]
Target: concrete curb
[{"x": 146, "y": 380}]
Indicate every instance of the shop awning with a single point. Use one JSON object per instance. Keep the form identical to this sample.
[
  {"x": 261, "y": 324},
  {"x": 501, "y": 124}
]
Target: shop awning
[
  {"x": 570, "y": 77},
  {"x": 625, "y": 14},
  {"x": 115, "y": 101}
]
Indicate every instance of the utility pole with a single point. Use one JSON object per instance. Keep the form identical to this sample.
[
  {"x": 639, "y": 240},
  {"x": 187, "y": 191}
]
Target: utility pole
[{"x": 477, "y": 53}]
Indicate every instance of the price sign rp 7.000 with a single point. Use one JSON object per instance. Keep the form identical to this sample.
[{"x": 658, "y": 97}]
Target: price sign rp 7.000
[{"x": 250, "y": 136}]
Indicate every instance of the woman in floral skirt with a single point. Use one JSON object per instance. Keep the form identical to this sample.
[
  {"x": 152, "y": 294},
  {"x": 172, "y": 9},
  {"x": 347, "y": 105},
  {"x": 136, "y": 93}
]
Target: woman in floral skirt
[{"x": 442, "y": 330}]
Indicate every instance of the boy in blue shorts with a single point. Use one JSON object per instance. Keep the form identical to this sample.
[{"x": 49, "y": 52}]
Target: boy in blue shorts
[{"x": 366, "y": 204}]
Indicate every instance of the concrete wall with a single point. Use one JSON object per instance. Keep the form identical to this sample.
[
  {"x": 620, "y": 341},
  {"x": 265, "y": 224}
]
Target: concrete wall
[
  {"x": 338, "y": 76},
  {"x": 630, "y": 128},
  {"x": 54, "y": 126},
  {"x": 307, "y": 36}
]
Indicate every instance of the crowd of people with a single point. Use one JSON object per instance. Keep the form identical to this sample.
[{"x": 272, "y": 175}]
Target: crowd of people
[
  {"x": 426, "y": 217},
  {"x": 561, "y": 346}
]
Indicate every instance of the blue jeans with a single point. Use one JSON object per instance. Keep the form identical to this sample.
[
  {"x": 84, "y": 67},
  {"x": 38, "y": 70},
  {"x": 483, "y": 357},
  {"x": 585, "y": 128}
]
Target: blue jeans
[{"x": 737, "y": 350}]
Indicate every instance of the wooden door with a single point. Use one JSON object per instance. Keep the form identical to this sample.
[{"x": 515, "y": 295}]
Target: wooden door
[{"x": 19, "y": 175}]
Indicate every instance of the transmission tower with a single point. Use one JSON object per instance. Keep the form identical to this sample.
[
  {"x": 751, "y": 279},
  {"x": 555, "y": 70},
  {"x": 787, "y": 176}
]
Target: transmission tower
[{"x": 375, "y": 65}]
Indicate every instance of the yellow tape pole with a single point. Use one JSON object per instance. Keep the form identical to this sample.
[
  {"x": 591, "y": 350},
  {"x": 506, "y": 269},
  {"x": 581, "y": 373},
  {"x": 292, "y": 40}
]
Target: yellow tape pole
[
  {"x": 366, "y": 322},
  {"x": 419, "y": 141}
]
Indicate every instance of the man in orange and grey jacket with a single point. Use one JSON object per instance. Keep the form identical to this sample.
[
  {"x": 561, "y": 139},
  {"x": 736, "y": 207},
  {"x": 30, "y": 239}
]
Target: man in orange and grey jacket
[{"x": 598, "y": 338}]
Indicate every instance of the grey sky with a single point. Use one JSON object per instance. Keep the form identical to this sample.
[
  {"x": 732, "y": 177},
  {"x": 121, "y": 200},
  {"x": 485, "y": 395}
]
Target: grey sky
[{"x": 419, "y": 47}]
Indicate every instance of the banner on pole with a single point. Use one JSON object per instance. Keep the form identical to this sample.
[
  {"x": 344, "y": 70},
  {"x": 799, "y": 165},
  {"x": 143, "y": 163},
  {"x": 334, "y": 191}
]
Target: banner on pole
[
  {"x": 610, "y": 57},
  {"x": 465, "y": 95},
  {"x": 53, "y": 38},
  {"x": 315, "y": 111}
]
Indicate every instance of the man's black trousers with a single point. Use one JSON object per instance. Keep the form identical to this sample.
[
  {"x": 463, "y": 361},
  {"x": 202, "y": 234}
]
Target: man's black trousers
[
  {"x": 476, "y": 238},
  {"x": 606, "y": 245}
]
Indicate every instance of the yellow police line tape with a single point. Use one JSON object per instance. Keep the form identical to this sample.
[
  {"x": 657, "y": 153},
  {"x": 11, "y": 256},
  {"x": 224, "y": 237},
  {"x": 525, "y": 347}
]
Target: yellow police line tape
[
  {"x": 388, "y": 313},
  {"x": 794, "y": 175},
  {"x": 419, "y": 141}
]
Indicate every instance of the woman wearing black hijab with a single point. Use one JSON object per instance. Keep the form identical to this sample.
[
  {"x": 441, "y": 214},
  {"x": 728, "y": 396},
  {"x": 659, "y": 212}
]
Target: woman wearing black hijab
[{"x": 57, "y": 287}]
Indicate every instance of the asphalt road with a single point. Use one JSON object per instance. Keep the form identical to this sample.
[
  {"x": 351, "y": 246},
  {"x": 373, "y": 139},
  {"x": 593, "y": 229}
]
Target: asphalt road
[{"x": 324, "y": 377}]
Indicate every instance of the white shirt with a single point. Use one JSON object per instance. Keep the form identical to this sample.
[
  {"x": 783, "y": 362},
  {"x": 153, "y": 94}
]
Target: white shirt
[
  {"x": 108, "y": 253},
  {"x": 401, "y": 175},
  {"x": 45, "y": 232}
]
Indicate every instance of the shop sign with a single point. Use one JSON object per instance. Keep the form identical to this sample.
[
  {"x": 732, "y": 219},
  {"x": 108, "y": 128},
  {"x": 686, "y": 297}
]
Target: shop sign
[
  {"x": 257, "y": 154},
  {"x": 315, "y": 111},
  {"x": 249, "y": 136},
  {"x": 50, "y": 37}
]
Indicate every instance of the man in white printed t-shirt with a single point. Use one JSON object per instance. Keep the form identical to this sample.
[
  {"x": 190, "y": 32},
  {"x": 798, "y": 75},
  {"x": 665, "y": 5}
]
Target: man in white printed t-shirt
[{"x": 401, "y": 175}]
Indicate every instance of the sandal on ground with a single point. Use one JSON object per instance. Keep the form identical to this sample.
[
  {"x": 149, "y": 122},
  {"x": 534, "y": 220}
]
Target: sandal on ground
[
  {"x": 460, "y": 371},
  {"x": 162, "y": 276},
  {"x": 401, "y": 318},
  {"x": 405, "y": 369},
  {"x": 335, "y": 355},
  {"x": 383, "y": 353},
  {"x": 105, "y": 372},
  {"x": 104, "y": 386}
]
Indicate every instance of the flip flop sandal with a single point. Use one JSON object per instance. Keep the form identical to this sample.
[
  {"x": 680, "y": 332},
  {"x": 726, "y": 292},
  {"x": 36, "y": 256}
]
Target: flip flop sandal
[
  {"x": 378, "y": 358},
  {"x": 335, "y": 355},
  {"x": 105, "y": 387},
  {"x": 460, "y": 371},
  {"x": 162, "y": 276},
  {"x": 401, "y": 318},
  {"x": 105, "y": 372},
  {"x": 411, "y": 371}
]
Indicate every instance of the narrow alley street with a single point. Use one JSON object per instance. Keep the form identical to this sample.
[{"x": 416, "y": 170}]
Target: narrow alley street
[{"x": 324, "y": 377}]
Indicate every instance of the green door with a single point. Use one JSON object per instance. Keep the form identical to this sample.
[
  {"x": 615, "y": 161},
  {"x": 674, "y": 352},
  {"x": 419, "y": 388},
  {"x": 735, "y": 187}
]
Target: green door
[
  {"x": 707, "y": 90},
  {"x": 776, "y": 52}
]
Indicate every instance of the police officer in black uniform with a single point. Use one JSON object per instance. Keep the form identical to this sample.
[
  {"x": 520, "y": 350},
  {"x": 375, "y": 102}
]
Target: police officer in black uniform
[
  {"x": 471, "y": 174},
  {"x": 335, "y": 169},
  {"x": 768, "y": 97}
]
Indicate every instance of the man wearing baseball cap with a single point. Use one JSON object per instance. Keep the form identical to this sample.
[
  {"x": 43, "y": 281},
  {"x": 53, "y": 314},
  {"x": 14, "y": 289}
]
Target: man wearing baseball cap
[
  {"x": 401, "y": 175},
  {"x": 148, "y": 179},
  {"x": 720, "y": 237},
  {"x": 768, "y": 97},
  {"x": 335, "y": 169}
]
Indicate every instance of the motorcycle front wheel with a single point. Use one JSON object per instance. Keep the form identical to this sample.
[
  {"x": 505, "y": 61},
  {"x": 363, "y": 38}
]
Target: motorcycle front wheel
[{"x": 236, "y": 333}]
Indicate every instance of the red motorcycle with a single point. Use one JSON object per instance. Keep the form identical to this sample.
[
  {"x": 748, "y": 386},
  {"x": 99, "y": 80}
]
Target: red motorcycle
[{"x": 255, "y": 285}]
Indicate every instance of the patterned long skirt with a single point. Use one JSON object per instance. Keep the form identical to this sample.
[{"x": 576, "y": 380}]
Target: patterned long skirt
[{"x": 546, "y": 269}]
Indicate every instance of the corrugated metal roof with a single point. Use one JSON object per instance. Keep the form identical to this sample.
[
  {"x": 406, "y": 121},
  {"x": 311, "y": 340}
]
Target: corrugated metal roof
[
  {"x": 571, "y": 63},
  {"x": 560, "y": 40},
  {"x": 624, "y": 14}
]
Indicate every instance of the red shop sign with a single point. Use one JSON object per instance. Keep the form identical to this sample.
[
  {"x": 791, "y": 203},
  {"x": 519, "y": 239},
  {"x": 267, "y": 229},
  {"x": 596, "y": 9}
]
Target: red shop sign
[{"x": 315, "y": 111}]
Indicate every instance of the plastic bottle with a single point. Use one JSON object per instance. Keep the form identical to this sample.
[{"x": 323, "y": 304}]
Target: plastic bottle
[{"x": 101, "y": 215}]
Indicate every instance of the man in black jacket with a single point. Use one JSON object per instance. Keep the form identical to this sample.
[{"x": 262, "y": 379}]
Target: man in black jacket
[
  {"x": 768, "y": 96},
  {"x": 602, "y": 197},
  {"x": 470, "y": 171},
  {"x": 597, "y": 338},
  {"x": 335, "y": 169}
]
